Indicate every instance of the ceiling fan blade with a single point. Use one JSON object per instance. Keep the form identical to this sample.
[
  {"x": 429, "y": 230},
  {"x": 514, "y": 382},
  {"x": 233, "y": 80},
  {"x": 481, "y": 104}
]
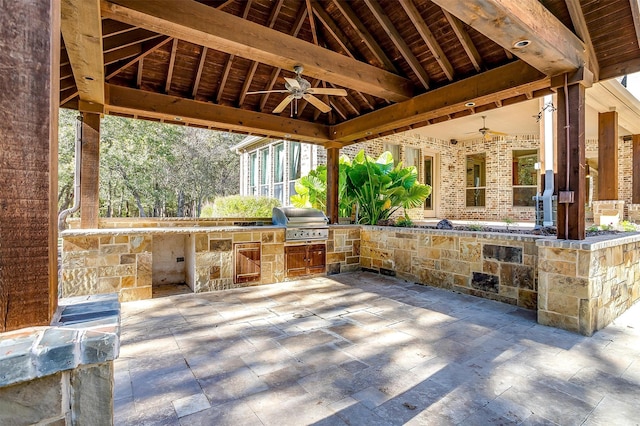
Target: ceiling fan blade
[
  {"x": 282, "y": 105},
  {"x": 317, "y": 103},
  {"x": 267, "y": 91},
  {"x": 293, "y": 83},
  {"x": 332, "y": 92},
  {"x": 497, "y": 133}
]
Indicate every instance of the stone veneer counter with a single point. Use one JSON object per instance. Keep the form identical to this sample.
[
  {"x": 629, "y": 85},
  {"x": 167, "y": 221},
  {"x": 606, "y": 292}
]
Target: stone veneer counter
[{"x": 164, "y": 230}]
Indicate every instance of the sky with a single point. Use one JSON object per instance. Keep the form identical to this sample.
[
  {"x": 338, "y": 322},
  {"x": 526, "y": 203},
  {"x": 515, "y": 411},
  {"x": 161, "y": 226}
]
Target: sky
[{"x": 633, "y": 84}]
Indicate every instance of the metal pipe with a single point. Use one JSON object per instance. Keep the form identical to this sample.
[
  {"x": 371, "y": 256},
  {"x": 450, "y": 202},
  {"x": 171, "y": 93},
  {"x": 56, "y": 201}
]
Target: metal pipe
[
  {"x": 567, "y": 133},
  {"x": 62, "y": 217}
]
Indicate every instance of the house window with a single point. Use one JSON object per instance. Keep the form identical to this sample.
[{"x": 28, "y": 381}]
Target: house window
[
  {"x": 524, "y": 177},
  {"x": 394, "y": 150},
  {"x": 412, "y": 158},
  {"x": 295, "y": 169},
  {"x": 278, "y": 172},
  {"x": 476, "y": 180},
  {"x": 264, "y": 172},
  {"x": 253, "y": 173}
]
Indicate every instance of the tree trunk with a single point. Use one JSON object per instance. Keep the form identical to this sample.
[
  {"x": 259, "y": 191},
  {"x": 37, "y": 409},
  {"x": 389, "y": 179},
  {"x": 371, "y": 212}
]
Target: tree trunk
[{"x": 180, "y": 203}]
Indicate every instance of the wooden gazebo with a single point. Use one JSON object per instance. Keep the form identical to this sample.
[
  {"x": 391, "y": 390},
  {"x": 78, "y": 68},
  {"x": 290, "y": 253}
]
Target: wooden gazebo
[{"x": 404, "y": 64}]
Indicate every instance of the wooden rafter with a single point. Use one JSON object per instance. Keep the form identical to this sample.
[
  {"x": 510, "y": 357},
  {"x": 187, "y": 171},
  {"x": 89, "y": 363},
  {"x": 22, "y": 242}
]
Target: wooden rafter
[
  {"x": 465, "y": 40},
  {"x": 428, "y": 37},
  {"x": 122, "y": 54},
  {"x": 111, "y": 28},
  {"x": 82, "y": 32},
  {"x": 129, "y": 101},
  {"x": 312, "y": 23},
  {"x": 147, "y": 49},
  {"x": 129, "y": 38},
  {"x": 196, "y": 80},
  {"x": 365, "y": 35},
  {"x": 333, "y": 29},
  {"x": 172, "y": 61},
  {"x": 553, "y": 48},
  {"x": 197, "y": 23},
  {"x": 398, "y": 41},
  {"x": 139, "y": 74},
  {"x": 580, "y": 26},
  {"x": 349, "y": 101},
  {"x": 499, "y": 83}
]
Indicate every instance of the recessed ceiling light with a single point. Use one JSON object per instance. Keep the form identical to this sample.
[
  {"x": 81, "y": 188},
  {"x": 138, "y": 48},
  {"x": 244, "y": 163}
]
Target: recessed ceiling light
[
  {"x": 177, "y": 118},
  {"x": 521, "y": 43},
  {"x": 470, "y": 104}
]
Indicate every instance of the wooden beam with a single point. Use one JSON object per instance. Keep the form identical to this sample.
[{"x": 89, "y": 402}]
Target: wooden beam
[
  {"x": 503, "y": 82},
  {"x": 153, "y": 105},
  {"x": 428, "y": 37},
  {"x": 365, "y": 35},
  {"x": 553, "y": 50},
  {"x": 146, "y": 49},
  {"x": 335, "y": 31},
  {"x": 89, "y": 185},
  {"x": 139, "y": 73},
  {"x": 81, "y": 28},
  {"x": 333, "y": 165},
  {"x": 196, "y": 80},
  {"x": 172, "y": 61},
  {"x": 635, "y": 12},
  {"x": 580, "y": 26},
  {"x": 121, "y": 54},
  {"x": 130, "y": 38},
  {"x": 635, "y": 180},
  {"x": 608, "y": 155},
  {"x": 465, "y": 40},
  {"x": 197, "y": 23},
  {"x": 398, "y": 41}
]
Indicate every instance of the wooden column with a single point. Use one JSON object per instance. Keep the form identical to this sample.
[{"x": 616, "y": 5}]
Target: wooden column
[
  {"x": 635, "y": 180},
  {"x": 90, "y": 171},
  {"x": 608, "y": 155},
  {"x": 571, "y": 159},
  {"x": 29, "y": 52},
  {"x": 333, "y": 173}
]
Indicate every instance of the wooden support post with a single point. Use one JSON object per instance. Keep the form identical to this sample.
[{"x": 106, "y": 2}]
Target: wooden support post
[
  {"x": 571, "y": 160},
  {"x": 28, "y": 163},
  {"x": 635, "y": 180},
  {"x": 608, "y": 155},
  {"x": 90, "y": 171},
  {"x": 333, "y": 173}
]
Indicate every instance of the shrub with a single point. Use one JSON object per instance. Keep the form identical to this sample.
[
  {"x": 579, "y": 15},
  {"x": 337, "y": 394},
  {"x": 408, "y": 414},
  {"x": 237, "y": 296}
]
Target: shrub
[
  {"x": 242, "y": 206},
  {"x": 628, "y": 226}
]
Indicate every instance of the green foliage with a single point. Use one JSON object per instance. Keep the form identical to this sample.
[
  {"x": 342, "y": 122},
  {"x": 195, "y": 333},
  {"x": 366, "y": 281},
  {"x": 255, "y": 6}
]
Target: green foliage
[
  {"x": 380, "y": 189},
  {"x": 628, "y": 226},
  {"x": 593, "y": 228},
  {"x": 404, "y": 222},
  {"x": 475, "y": 227},
  {"x": 243, "y": 206},
  {"x": 508, "y": 222}
]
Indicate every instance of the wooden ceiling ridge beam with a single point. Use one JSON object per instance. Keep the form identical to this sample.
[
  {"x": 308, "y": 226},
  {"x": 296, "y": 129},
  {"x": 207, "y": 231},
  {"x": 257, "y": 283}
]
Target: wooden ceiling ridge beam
[
  {"x": 365, "y": 35},
  {"x": 507, "y": 81},
  {"x": 465, "y": 40},
  {"x": 427, "y": 36},
  {"x": 155, "y": 105},
  {"x": 553, "y": 48},
  {"x": 146, "y": 49},
  {"x": 399, "y": 42},
  {"x": 81, "y": 28},
  {"x": 275, "y": 11},
  {"x": 582, "y": 31},
  {"x": 200, "y": 24}
]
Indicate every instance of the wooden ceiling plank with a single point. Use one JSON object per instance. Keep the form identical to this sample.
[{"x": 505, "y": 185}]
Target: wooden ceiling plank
[
  {"x": 365, "y": 35},
  {"x": 196, "y": 80},
  {"x": 66, "y": 71},
  {"x": 121, "y": 54},
  {"x": 172, "y": 61},
  {"x": 147, "y": 49},
  {"x": 81, "y": 28},
  {"x": 349, "y": 101},
  {"x": 312, "y": 23},
  {"x": 622, "y": 68},
  {"x": 302, "y": 13},
  {"x": 67, "y": 95},
  {"x": 111, "y": 28},
  {"x": 197, "y": 23},
  {"x": 428, "y": 37},
  {"x": 635, "y": 12},
  {"x": 399, "y": 42},
  {"x": 465, "y": 40},
  {"x": 580, "y": 26},
  {"x": 337, "y": 34},
  {"x": 129, "y": 38},
  {"x": 143, "y": 103},
  {"x": 490, "y": 86},
  {"x": 553, "y": 50}
]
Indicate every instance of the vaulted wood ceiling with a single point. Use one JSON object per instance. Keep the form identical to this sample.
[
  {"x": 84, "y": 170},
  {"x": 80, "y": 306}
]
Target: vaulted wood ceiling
[{"x": 403, "y": 63}]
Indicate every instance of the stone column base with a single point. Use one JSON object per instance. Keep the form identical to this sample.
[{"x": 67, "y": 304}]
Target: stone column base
[{"x": 608, "y": 212}]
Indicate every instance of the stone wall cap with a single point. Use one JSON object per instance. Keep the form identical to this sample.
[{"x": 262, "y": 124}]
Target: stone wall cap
[
  {"x": 164, "y": 230},
  {"x": 594, "y": 243},
  {"x": 452, "y": 232},
  {"x": 85, "y": 330}
]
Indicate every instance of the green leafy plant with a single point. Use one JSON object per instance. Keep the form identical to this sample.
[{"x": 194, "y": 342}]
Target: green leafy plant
[
  {"x": 508, "y": 222},
  {"x": 628, "y": 226},
  {"x": 606, "y": 227},
  {"x": 405, "y": 222},
  {"x": 475, "y": 227},
  {"x": 593, "y": 228},
  {"x": 242, "y": 206}
]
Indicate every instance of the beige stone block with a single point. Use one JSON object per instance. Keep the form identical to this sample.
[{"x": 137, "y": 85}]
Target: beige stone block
[
  {"x": 79, "y": 281},
  {"x": 376, "y": 263},
  {"x": 560, "y": 254},
  {"x": 529, "y": 260},
  {"x": 267, "y": 237},
  {"x": 135, "y": 293},
  {"x": 126, "y": 259},
  {"x": 121, "y": 239},
  {"x": 336, "y": 257},
  {"x": 272, "y": 249},
  {"x": 491, "y": 267},
  {"x": 365, "y": 262},
  {"x": 587, "y": 319},
  {"x": 108, "y": 284},
  {"x": 530, "y": 249},
  {"x": 353, "y": 234},
  {"x": 140, "y": 243},
  {"x": 444, "y": 242},
  {"x": 508, "y": 291},
  {"x": 106, "y": 239},
  {"x": 353, "y": 260},
  {"x": 128, "y": 281},
  {"x": 455, "y": 266},
  {"x": 402, "y": 259},
  {"x": 557, "y": 267},
  {"x": 408, "y": 244},
  {"x": 527, "y": 299},
  {"x": 239, "y": 237},
  {"x": 428, "y": 253},
  {"x": 114, "y": 249},
  {"x": 461, "y": 280},
  {"x": 119, "y": 270},
  {"x": 470, "y": 251},
  {"x": 33, "y": 402},
  {"x": 563, "y": 304},
  {"x": 614, "y": 256},
  {"x": 571, "y": 286},
  {"x": 554, "y": 319},
  {"x": 92, "y": 396},
  {"x": 424, "y": 240}
]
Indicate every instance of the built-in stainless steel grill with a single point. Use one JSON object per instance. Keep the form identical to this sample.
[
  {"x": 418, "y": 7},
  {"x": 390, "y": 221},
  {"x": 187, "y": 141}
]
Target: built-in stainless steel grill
[{"x": 302, "y": 224}]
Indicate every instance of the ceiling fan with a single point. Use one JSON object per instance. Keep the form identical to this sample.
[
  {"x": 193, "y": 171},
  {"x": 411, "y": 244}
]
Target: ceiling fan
[
  {"x": 299, "y": 88},
  {"x": 487, "y": 132}
]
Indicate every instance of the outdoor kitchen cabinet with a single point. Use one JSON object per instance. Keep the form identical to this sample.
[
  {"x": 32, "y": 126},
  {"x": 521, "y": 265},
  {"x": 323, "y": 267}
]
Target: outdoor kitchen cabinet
[
  {"x": 308, "y": 259},
  {"x": 246, "y": 262}
]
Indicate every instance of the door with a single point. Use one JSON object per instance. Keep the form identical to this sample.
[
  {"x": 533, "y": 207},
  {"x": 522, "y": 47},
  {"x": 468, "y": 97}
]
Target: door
[
  {"x": 247, "y": 262},
  {"x": 430, "y": 178},
  {"x": 295, "y": 258}
]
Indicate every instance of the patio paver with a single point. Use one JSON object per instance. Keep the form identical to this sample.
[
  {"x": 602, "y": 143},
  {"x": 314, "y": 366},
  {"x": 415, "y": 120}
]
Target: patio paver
[{"x": 368, "y": 349}]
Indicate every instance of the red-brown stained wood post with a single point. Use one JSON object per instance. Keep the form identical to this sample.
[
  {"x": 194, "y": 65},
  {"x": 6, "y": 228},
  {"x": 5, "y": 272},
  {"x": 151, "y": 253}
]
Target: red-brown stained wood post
[
  {"x": 29, "y": 54},
  {"x": 90, "y": 171},
  {"x": 571, "y": 160},
  {"x": 333, "y": 159},
  {"x": 635, "y": 180},
  {"x": 608, "y": 155}
]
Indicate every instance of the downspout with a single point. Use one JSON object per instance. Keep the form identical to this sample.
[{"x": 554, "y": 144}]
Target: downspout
[
  {"x": 62, "y": 217},
  {"x": 547, "y": 195}
]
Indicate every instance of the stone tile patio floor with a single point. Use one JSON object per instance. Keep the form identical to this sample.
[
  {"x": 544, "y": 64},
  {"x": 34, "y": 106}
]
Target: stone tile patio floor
[{"x": 366, "y": 349}]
